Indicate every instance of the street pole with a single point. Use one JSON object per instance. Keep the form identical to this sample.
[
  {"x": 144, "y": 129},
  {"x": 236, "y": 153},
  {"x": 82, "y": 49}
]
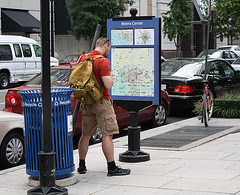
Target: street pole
[
  {"x": 46, "y": 156},
  {"x": 208, "y": 29},
  {"x": 52, "y": 28}
]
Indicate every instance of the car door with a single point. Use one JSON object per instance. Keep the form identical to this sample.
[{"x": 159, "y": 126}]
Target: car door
[
  {"x": 19, "y": 62},
  {"x": 29, "y": 60},
  {"x": 220, "y": 78}
]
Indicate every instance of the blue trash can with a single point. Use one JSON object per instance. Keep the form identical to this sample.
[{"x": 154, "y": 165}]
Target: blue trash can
[{"x": 61, "y": 127}]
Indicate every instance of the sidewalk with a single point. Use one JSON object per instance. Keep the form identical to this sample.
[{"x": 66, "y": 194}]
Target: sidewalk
[{"x": 206, "y": 166}]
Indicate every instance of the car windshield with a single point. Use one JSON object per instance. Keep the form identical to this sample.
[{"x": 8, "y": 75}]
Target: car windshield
[
  {"x": 58, "y": 78},
  {"x": 70, "y": 59},
  {"x": 180, "y": 68},
  {"x": 188, "y": 70},
  {"x": 216, "y": 54},
  {"x": 203, "y": 53}
]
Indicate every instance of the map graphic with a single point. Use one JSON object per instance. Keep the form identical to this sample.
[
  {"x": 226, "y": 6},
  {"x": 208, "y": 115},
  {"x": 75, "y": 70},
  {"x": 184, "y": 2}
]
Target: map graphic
[
  {"x": 144, "y": 36},
  {"x": 133, "y": 71},
  {"x": 122, "y": 37}
]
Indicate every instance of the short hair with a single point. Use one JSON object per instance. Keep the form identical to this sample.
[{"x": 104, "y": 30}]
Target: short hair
[{"x": 102, "y": 41}]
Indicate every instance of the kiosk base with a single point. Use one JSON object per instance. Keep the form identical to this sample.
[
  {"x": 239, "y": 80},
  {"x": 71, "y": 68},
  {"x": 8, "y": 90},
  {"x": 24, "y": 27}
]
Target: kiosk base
[{"x": 134, "y": 156}]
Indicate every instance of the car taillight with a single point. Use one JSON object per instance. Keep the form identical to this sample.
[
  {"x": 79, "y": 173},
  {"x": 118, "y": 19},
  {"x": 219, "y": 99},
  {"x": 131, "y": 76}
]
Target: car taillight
[
  {"x": 183, "y": 89},
  {"x": 10, "y": 99}
]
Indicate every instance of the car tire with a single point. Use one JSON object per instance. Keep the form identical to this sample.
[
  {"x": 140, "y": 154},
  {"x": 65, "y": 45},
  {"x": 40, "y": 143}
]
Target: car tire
[
  {"x": 4, "y": 80},
  {"x": 160, "y": 115},
  {"x": 97, "y": 138},
  {"x": 12, "y": 151}
]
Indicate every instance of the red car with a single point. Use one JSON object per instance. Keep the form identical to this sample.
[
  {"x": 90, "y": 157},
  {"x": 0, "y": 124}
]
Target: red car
[
  {"x": 60, "y": 77},
  {"x": 73, "y": 59}
]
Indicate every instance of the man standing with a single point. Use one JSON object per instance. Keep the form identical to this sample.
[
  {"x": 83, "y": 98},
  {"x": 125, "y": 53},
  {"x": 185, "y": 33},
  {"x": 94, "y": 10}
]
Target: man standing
[{"x": 100, "y": 113}]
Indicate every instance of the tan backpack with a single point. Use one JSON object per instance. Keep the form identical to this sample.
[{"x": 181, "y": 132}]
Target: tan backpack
[{"x": 83, "y": 80}]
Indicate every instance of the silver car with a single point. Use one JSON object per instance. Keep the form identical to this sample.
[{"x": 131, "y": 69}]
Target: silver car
[{"x": 11, "y": 139}]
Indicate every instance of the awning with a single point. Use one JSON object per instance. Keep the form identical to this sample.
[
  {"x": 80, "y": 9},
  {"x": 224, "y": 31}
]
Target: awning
[{"x": 19, "y": 21}]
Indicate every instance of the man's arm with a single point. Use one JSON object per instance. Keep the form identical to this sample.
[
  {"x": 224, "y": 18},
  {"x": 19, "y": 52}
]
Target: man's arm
[{"x": 108, "y": 81}]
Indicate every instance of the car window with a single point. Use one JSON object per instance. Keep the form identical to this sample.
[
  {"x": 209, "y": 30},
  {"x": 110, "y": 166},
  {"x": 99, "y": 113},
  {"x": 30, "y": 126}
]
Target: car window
[
  {"x": 17, "y": 50},
  {"x": 26, "y": 50},
  {"x": 5, "y": 53},
  {"x": 233, "y": 54},
  {"x": 58, "y": 78},
  {"x": 227, "y": 55},
  {"x": 37, "y": 50},
  {"x": 214, "y": 69},
  {"x": 237, "y": 48},
  {"x": 237, "y": 61},
  {"x": 226, "y": 69},
  {"x": 220, "y": 68}
]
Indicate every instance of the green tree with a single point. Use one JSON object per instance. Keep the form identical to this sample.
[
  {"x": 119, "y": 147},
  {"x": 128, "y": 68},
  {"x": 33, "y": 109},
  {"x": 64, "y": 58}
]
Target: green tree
[
  {"x": 86, "y": 14},
  {"x": 174, "y": 26},
  {"x": 227, "y": 19}
]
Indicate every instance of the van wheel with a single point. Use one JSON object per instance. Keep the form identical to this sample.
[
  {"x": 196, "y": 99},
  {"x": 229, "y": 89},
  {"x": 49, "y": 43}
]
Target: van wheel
[{"x": 4, "y": 80}]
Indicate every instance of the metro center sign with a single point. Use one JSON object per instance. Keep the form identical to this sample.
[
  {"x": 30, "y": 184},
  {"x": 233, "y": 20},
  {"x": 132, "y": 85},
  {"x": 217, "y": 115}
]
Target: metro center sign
[{"x": 135, "y": 59}]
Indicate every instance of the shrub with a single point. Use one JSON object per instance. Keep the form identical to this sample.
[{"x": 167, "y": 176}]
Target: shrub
[{"x": 226, "y": 106}]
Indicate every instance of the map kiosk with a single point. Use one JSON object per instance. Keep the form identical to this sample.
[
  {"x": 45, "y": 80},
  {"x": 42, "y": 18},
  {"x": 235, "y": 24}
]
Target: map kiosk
[{"x": 135, "y": 63}]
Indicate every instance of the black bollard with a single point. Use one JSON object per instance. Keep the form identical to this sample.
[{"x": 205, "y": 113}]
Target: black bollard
[{"x": 134, "y": 154}]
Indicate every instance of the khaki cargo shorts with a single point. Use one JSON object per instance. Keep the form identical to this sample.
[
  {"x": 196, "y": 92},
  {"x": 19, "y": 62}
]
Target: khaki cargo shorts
[{"x": 101, "y": 114}]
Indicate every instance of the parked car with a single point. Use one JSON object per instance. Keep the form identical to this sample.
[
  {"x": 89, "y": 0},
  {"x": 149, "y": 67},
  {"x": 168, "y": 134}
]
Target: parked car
[
  {"x": 229, "y": 56},
  {"x": 60, "y": 77},
  {"x": 73, "y": 59},
  {"x": 203, "y": 53},
  {"x": 11, "y": 139},
  {"x": 235, "y": 48},
  {"x": 182, "y": 79},
  {"x": 20, "y": 59},
  {"x": 236, "y": 64}
]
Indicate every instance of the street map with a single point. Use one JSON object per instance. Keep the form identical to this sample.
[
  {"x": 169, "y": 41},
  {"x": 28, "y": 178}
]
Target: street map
[
  {"x": 122, "y": 37},
  {"x": 144, "y": 36},
  {"x": 133, "y": 71}
]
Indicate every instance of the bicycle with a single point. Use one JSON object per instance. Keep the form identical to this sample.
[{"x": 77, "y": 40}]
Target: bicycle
[{"x": 207, "y": 103}]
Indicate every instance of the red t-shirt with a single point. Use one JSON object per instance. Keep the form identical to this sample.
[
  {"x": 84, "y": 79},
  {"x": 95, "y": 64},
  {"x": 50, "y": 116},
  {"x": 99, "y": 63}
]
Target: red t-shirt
[{"x": 101, "y": 67}]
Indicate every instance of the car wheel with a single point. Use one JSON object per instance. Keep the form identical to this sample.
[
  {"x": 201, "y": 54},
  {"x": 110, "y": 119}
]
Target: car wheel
[
  {"x": 12, "y": 150},
  {"x": 97, "y": 138},
  {"x": 4, "y": 80},
  {"x": 160, "y": 115}
]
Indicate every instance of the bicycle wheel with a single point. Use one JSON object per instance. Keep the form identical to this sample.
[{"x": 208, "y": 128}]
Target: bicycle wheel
[
  {"x": 210, "y": 104},
  {"x": 205, "y": 110}
]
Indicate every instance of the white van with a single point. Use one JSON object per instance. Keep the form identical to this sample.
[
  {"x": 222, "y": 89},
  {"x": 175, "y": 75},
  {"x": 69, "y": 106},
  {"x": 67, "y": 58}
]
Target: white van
[{"x": 20, "y": 59}]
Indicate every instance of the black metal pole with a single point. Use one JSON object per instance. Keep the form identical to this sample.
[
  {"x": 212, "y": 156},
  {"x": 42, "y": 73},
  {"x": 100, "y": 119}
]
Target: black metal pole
[
  {"x": 46, "y": 156},
  {"x": 52, "y": 28}
]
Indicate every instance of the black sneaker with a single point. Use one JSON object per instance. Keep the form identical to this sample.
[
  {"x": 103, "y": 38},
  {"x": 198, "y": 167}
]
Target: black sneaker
[
  {"x": 82, "y": 169},
  {"x": 118, "y": 171}
]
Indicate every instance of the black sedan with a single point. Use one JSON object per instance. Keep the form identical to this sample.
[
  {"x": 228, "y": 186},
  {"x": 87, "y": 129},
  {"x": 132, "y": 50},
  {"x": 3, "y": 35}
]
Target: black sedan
[{"x": 182, "y": 79}]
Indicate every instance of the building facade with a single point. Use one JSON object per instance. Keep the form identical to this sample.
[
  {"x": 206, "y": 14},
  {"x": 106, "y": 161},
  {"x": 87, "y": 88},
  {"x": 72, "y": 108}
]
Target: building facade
[{"x": 22, "y": 17}]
